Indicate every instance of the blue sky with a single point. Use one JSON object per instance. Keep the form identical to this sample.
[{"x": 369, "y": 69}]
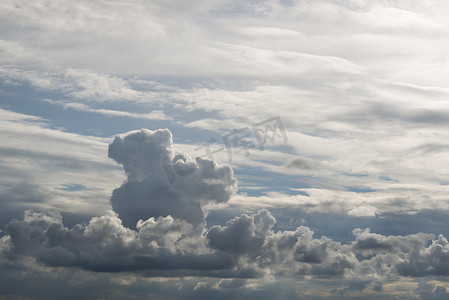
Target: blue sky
[{"x": 355, "y": 175}]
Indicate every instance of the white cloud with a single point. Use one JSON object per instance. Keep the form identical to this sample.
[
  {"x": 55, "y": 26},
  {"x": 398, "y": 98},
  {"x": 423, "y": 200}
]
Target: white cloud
[
  {"x": 162, "y": 182},
  {"x": 155, "y": 115}
]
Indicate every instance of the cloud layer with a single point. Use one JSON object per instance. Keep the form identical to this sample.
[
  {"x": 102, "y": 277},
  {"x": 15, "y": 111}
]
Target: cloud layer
[
  {"x": 158, "y": 228},
  {"x": 360, "y": 87}
]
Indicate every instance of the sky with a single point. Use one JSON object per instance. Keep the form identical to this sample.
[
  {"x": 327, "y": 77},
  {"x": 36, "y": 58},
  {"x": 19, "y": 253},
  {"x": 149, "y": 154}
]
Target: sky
[{"x": 261, "y": 149}]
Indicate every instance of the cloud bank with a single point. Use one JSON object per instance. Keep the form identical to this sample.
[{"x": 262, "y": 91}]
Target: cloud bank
[{"x": 158, "y": 228}]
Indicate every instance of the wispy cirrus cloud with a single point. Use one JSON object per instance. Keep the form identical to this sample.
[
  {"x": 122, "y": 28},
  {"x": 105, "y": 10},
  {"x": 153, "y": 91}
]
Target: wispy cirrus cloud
[
  {"x": 154, "y": 115},
  {"x": 37, "y": 159}
]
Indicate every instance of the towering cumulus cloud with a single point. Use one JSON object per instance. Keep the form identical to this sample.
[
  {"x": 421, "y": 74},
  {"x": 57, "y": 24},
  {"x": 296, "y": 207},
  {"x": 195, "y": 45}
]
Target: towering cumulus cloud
[
  {"x": 158, "y": 228},
  {"x": 161, "y": 183}
]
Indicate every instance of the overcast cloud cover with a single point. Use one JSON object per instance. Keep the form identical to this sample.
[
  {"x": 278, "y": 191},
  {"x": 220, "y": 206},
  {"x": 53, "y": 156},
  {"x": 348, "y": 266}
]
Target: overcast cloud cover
[{"x": 346, "y": 197}]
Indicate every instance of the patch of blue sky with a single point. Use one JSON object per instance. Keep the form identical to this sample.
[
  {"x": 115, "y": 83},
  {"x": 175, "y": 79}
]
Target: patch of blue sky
[
  {"x": 256, "y": 181},
  {"x": 73, "y": 187},
  {"x": 173, "y": 82},
  {"x": 360, "y": 175},
  {"x": 360, "y": 189},
  {"x": 386, "y": 178},
  {"x": 339, "y": 227},
  {"x": 278, "y": 146},
  {"x": 24, "y": 98}
]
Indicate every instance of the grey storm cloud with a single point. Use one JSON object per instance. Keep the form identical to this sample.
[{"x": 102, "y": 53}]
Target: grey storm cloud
[
  {"x": 106, "y": 245},
  {"x": 158, "y": 228},
  {"x": 286, "y": 252},
  {"x": 244, "y": 234}
]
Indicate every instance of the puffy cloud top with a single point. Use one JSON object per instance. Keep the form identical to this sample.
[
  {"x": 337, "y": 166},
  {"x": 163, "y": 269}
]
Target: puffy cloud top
[
  {"x": 161, "y": 182},
  {"x": 142, "y": 152}
]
